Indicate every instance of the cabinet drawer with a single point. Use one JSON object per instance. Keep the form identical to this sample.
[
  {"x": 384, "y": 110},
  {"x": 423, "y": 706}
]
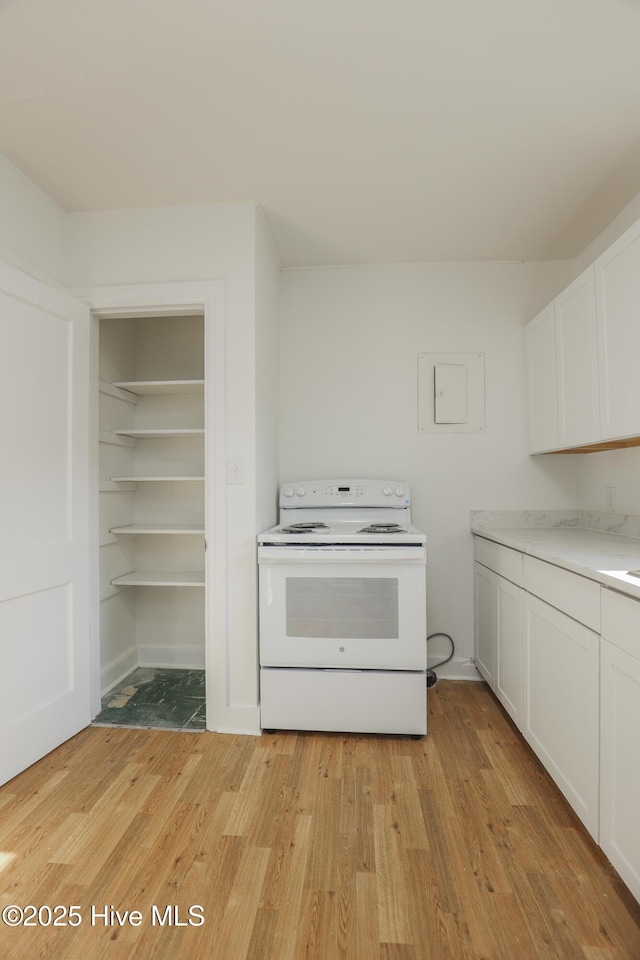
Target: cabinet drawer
[
  {"x": 576, "y": 596},
  {"x": 505, "y": 561},
  {"x": 621, "y": 622}
]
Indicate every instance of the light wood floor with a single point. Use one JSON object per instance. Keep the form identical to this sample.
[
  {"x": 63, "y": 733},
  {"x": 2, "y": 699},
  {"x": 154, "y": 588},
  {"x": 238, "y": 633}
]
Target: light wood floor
[{"x": 456, "y": 847}]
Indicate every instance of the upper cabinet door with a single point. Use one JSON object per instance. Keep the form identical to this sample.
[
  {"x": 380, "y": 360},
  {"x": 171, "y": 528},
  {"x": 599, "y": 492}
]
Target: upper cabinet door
[
  {"x": 542, "y": 382},
  {"x": 577, "y": 363},
  {"x": 617, "y": 279},
  {"x": 44, "y": 520}
]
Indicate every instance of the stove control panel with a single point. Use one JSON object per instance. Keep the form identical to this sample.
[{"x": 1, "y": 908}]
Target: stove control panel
[
  {"x": 334, "y": 492},
  {"x": 347, "y": 493}
]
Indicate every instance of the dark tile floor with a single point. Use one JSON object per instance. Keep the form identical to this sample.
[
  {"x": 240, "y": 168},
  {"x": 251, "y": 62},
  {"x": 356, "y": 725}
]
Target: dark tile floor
[{"x": 156, "y": 697}]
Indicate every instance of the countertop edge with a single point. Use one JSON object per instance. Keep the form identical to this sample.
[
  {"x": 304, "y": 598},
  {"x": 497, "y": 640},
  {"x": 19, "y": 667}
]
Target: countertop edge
[{"x": 515, "y": 539}]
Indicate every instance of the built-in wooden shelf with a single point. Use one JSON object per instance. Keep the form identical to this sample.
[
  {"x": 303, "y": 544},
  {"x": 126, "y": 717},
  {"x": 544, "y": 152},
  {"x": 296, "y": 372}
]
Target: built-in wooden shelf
[
  {"x": 166, "y": 432},
  {"x": 110, "y": 390},
  {"x": 107, "y": 539},
  {"x": 145, "y": 388},
  {"x": 110, "y": 486},
  {"x": 119, "y": 439},
  {"x": 160, "y": 578},
  {"x": 602, "y": 446},
  {"x": 150, "y": 528}
]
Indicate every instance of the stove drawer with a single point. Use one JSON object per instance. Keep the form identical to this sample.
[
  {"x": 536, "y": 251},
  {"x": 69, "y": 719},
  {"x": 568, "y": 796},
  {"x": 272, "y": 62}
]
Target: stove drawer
[{"x": 345, "y": 701}]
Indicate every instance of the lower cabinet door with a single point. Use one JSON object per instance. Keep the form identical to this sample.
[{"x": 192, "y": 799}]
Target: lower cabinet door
[
  {"x": 561, "y": 703},
  {"x": 485, "y": 622},
  {"x": 509, "y": 647},
  {"x": 619, "y": 762}
]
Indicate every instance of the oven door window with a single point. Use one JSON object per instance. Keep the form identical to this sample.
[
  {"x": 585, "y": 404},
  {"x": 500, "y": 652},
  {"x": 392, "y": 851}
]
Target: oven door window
[{"x": 357, "y": 608}]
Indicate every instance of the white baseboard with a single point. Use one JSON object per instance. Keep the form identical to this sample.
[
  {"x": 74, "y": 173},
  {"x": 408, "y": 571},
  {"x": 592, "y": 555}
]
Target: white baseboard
[
  {"x": 117, "y": 670},
  {"x": 243, "y": 720},
  {"x": 461, "y": 668},
  {"x": 179, "y": 657}
]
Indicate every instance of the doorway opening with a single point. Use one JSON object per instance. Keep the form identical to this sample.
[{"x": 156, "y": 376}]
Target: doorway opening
[{"x": 151, "y": 411}]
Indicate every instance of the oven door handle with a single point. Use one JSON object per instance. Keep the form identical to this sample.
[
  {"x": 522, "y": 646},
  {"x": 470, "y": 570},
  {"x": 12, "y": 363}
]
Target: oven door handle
[{"x": 409, "y": 554}]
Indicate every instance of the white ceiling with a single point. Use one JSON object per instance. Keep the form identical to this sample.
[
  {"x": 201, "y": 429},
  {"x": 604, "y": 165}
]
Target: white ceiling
[{"x": 369, "y": 131}]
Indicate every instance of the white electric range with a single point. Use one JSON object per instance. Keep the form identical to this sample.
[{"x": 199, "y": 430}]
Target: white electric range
[{"x": 342, "y": 581}]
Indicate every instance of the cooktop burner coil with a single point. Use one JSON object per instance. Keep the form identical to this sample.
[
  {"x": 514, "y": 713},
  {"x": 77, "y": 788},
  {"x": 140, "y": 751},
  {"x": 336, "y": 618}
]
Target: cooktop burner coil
[
  {"x": 307, "y": 527},
  {"x": 383, "y": 528}
]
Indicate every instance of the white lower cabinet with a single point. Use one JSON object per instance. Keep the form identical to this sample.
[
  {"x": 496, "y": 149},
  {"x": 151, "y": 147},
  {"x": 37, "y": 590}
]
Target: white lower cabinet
[
  {"x": 485, "y": 639},
  {"x": 561, "y": 703},
  {"x": 619, "y": 736},
  {"x": 498, "y": 640},
  {"x": 509, "y": 647},
  {"x": 562, "y": 655}
]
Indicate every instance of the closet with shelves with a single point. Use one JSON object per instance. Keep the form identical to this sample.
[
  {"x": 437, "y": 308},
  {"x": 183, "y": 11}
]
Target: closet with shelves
[{"x": 152, "y": 494}]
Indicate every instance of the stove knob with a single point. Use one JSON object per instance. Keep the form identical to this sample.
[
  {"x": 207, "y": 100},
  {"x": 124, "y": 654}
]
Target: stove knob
[
  {"x": 300, "y": 491},
  {"x": 288, "y": 491},
  {"x": 399, "y": 491},
  {"x": 387, "y": 490}
]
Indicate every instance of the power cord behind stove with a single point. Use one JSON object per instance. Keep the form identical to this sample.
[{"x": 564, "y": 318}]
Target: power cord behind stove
[{"x": 432, "y": 677}]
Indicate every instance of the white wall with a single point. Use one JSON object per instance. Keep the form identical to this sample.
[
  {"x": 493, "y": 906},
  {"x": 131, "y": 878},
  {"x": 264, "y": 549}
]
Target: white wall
[
  {"x": 32, "y": 227},
  {"x": 619, "y": 469},
  {"x": 204, "y": 242},
  {"x": 267, "y": 281},
  {"x": 199, "y": 242},
  {"x": 348, "y": 401},
  {"x": 625, "y": 219},
  {"x": 350, "y": 339}
]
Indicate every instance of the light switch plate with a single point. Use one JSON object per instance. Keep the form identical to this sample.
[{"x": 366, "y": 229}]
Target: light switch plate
[{"x": 235, "y": 470}]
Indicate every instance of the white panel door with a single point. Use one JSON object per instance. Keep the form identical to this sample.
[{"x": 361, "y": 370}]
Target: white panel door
[{"x": 44, "y": 520}]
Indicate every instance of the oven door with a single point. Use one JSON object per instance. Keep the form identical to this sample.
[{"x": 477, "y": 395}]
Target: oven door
[{"x": 343, "y": 607}]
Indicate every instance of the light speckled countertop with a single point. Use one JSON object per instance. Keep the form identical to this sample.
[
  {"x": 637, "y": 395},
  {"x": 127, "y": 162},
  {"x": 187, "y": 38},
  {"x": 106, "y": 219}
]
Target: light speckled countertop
[{"x": 597, "y": 551}]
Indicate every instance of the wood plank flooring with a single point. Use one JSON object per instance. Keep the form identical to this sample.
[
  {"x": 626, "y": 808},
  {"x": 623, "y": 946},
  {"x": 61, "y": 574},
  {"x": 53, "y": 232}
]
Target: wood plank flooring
[{"x": 455, "y": 847}]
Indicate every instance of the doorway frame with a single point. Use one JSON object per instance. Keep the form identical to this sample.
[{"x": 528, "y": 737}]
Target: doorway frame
[{"x": 175, "y": 299}]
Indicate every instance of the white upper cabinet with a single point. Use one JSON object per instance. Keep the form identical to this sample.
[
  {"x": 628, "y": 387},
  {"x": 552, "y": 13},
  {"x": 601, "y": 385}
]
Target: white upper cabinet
[
  {"x": 592, "y": 362},
  {"x": 577, "y": 363},
  {"x": 542, "y": 382},
  {"x": 617, "y": 281}
]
